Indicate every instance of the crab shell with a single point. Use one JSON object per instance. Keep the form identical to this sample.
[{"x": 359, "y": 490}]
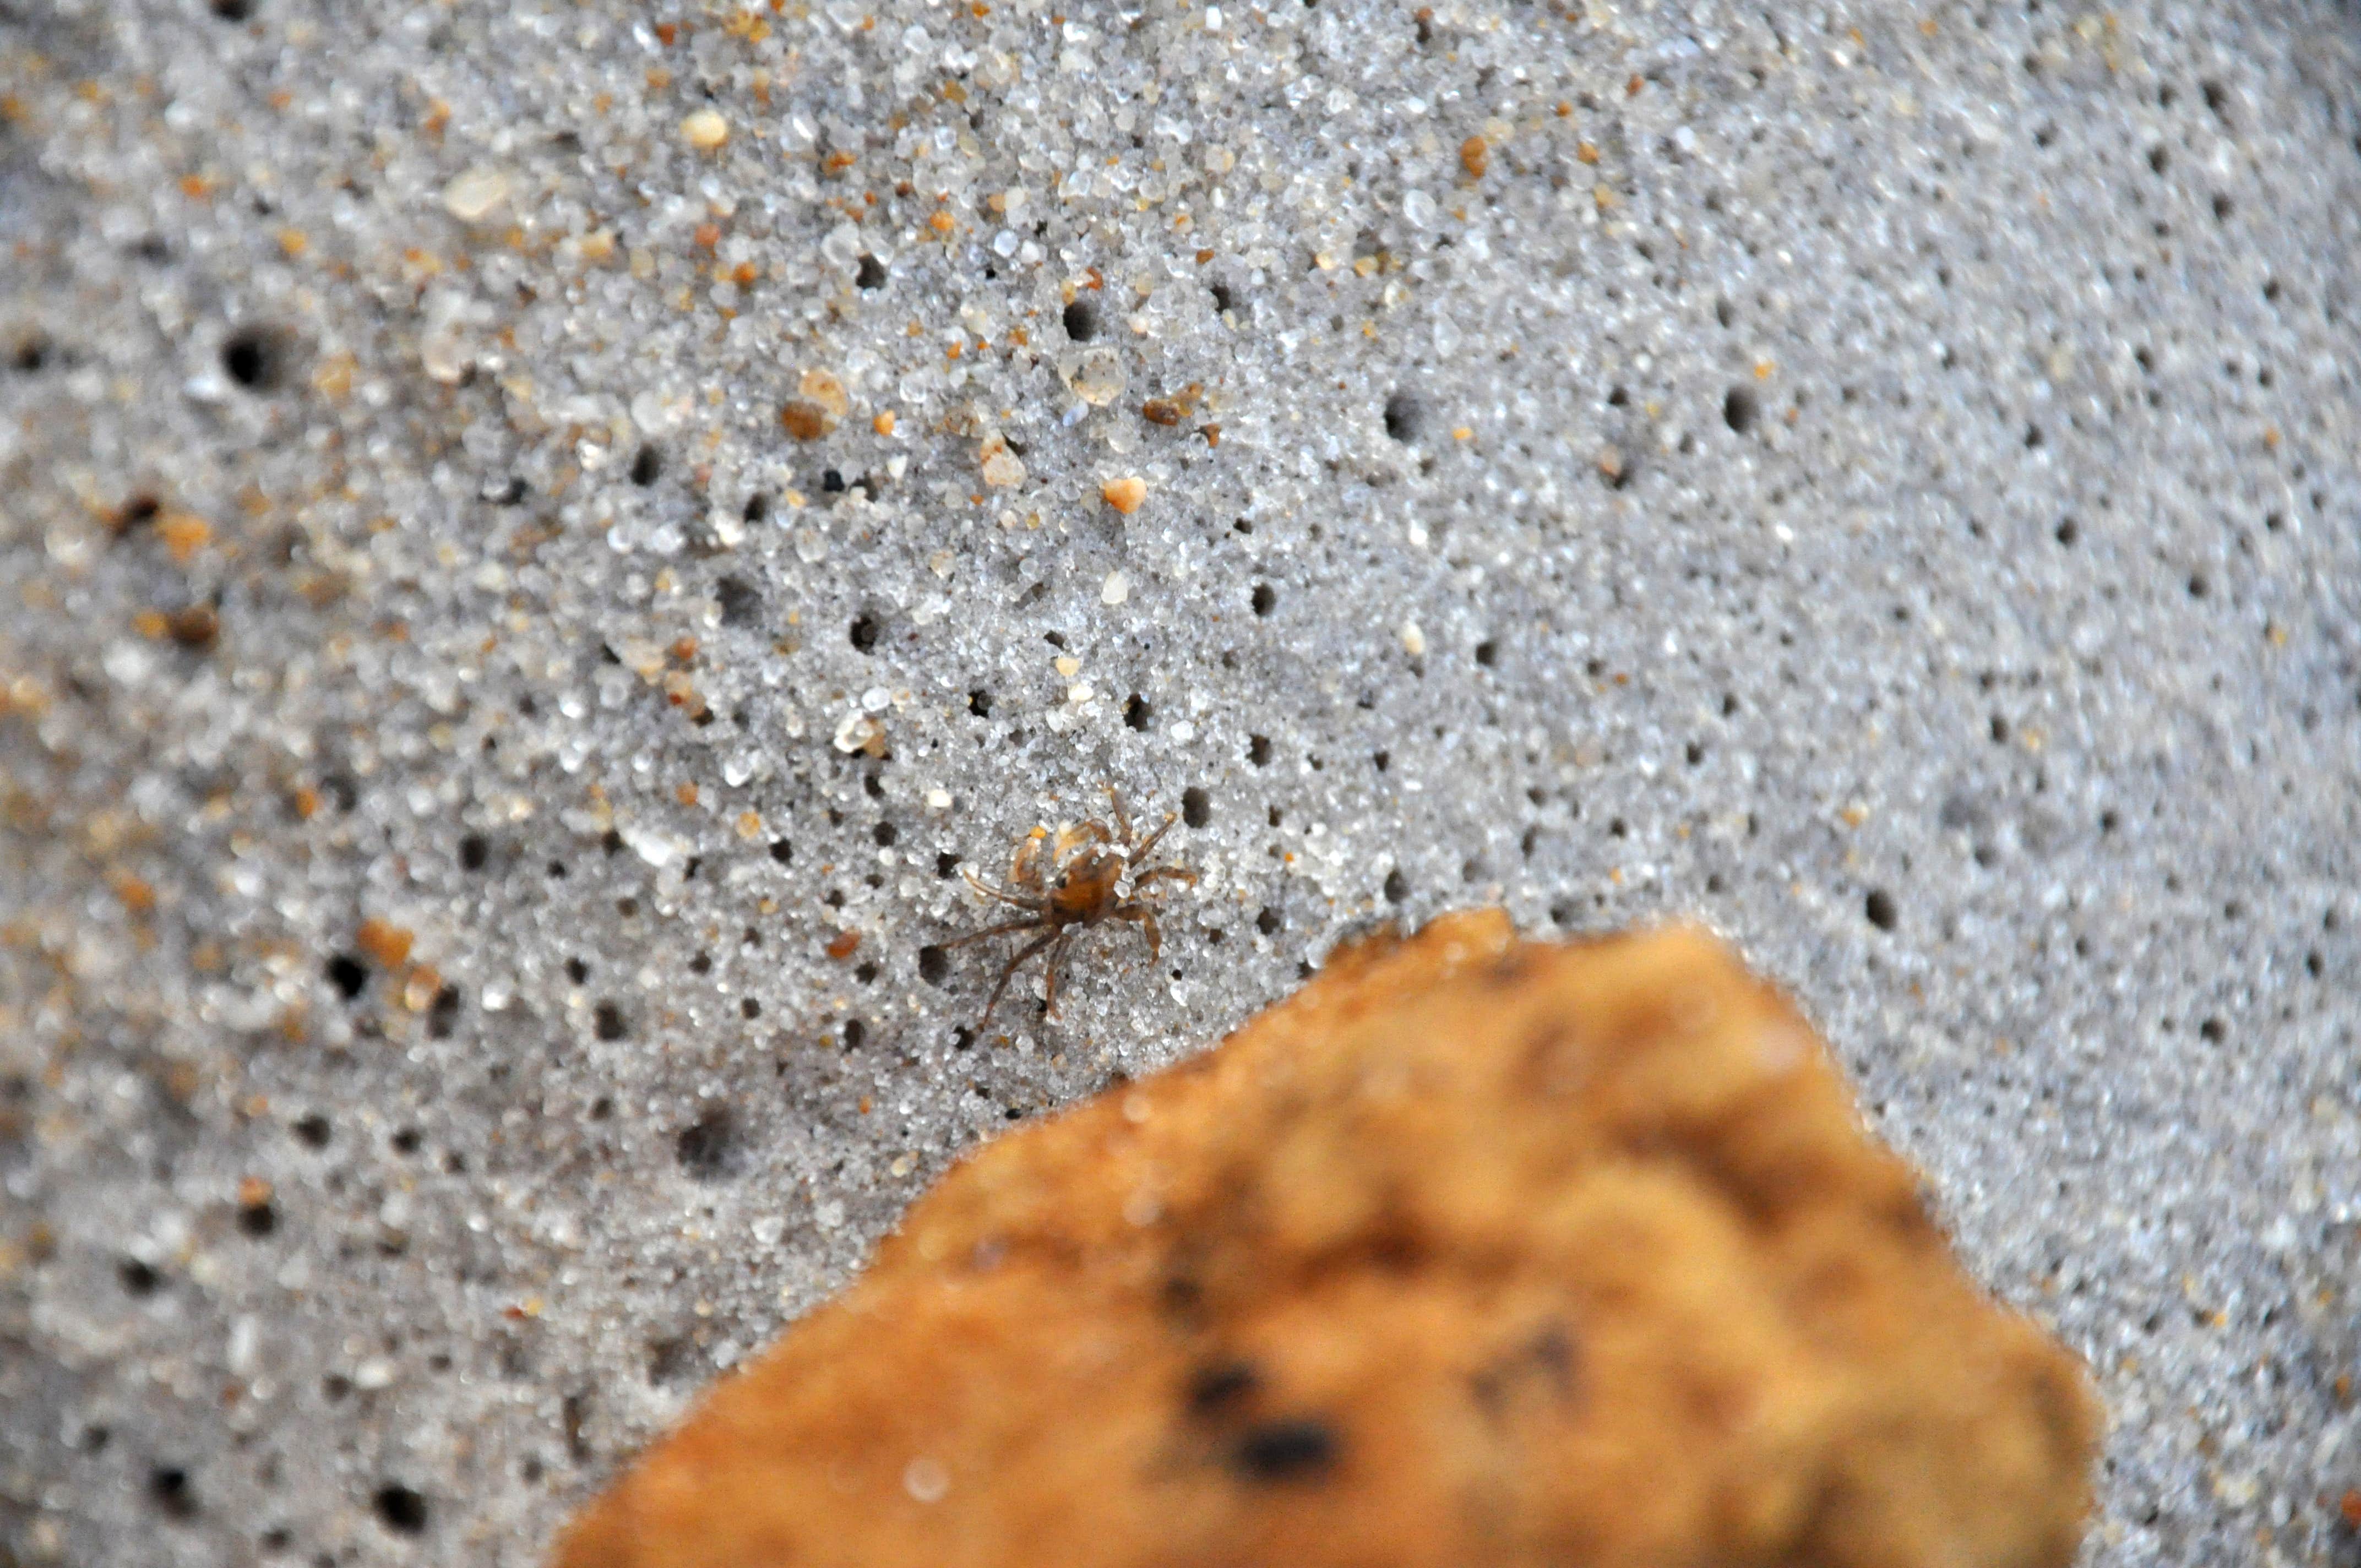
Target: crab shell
[{"x": 1085, "y": 870}]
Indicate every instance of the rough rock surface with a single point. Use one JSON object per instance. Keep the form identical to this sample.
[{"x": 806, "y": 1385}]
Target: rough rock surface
[
  {"x": 497, "y": 643},
  {"x": 1473, "y": 1251}
]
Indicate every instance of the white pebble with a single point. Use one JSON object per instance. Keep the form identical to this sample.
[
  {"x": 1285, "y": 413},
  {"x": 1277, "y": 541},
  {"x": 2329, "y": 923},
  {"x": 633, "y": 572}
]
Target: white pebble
[
  {"x": 926, "y": 1479},
  {"x": 474, "y": 196},
  {"x": 1116, "y": 590},
  {"x": 705, "y": 130}
]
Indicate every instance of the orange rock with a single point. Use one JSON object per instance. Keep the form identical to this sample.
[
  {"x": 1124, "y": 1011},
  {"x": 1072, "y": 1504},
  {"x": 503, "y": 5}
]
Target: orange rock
[
  {"x": 387, "y": 943},
  {"x": 1472, "y": 1252}
]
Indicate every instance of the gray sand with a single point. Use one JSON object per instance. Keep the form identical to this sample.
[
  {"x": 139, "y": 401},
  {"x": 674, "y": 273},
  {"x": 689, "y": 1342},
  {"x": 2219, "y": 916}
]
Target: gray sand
[{"x": 1878, "y": 480}]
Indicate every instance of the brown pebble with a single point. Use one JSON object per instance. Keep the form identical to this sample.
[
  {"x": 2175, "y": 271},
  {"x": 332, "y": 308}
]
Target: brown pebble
[
  {"x": 183, "y": 533},
  {"x": 1475, "y": 157},
  {"x": 195, "y": 628},
  {"x": 803, "y": 419},
  {"x": 382, "y": 940}
]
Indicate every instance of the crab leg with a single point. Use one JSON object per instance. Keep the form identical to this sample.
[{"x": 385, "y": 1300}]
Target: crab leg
[
  {"x": 1030, "y": 949},
  {"x": 1140, "y": 851},
  {"x": 994, "y": 931},
  {"x": 1001, "y": 894},
  {"x": 1056, "y": 953},
  {"x": 1145, "y": 918}
]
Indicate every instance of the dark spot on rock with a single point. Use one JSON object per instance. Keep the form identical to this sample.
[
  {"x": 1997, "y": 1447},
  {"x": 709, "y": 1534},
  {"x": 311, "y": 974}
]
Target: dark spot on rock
[
  {"x": 574, "y": 1415},
  {"x": 168, "y": 1489},
  {"x": 137, "y": 1278},
  {"x": 671, "y": 1360},
  {"x": 708, "y": 1148},
  {"x": 1739, "y": 408},
  {"x": 255, "y": 358},
  {"x": 1217, "y": 1388},
  {"x": 1196, "y": 807},
  {"x": 347, "y": 974},
  {"x": 1082, "y": 320},
  {"x": 1405, "y": 416},
  {"x": 606, "y": 1019},
  {"x": 741, "y": 603},
  {"x": 647, "y": 465},
  {"x": 782, "y": 851},
  {"x": 137, "y": 512},
  {"x": 1296, "y": 1449},
  {"x": 1878, "y": 908},
  {"x": 400, "y": 1509},
  {"x": 934, "y": 964}
]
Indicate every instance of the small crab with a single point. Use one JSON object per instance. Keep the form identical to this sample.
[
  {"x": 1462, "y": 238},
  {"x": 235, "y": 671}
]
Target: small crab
[{"x": 1093, "y": 875}]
